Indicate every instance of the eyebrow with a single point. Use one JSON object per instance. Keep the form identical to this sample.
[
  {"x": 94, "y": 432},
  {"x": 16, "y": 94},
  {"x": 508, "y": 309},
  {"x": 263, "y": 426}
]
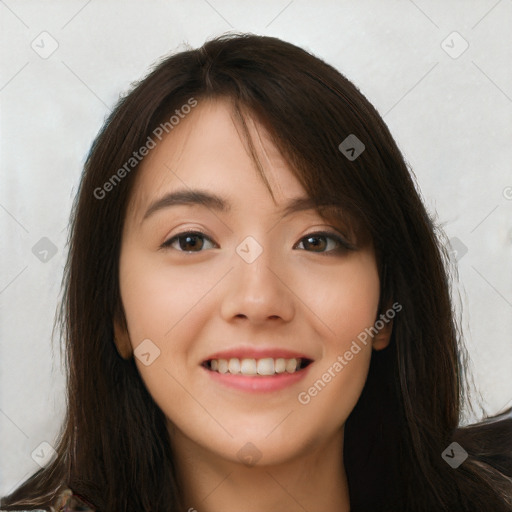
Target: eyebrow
[{"x": 217, "y": 203}]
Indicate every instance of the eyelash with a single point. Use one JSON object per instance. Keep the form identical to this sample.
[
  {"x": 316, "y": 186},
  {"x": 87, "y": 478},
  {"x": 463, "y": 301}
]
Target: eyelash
[{"x": 343, "y": 245}]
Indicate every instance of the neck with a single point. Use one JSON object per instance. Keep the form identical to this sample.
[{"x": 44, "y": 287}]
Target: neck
[{"x": 314, "y": 481}]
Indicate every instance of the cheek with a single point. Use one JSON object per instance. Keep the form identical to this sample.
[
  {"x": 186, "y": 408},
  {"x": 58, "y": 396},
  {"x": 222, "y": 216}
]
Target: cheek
[
  {"x": 160, "y": 303},
  {"x": 158, "y": 298},
  {"x": 348, "y": 308},
  {"x": 166, "y": 308},
  {"x": 344, "y": 298}
]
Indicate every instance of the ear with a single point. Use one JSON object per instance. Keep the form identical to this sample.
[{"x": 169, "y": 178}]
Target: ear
[
  {"x": 121, "y": 336},
  {"x": 382, "y": 338}
]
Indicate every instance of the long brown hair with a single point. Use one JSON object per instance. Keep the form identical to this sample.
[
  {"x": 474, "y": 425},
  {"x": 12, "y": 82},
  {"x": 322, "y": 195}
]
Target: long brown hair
[{"x": 114, "y": 449}]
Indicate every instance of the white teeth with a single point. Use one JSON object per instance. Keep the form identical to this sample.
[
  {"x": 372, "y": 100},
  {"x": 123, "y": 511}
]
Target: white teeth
[
  {"x": 248, "y": 367},
  {"x": 223, "y": 366},
  {"x": 291, "y": 365},
  {"x": 265, "y": 366},
  {"x": 234, "y": 365},
  {"x": 280, "y": 365}
]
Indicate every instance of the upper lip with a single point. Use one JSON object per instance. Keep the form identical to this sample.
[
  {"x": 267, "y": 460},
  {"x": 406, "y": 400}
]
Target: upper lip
[{"x": 257, "y": 353}]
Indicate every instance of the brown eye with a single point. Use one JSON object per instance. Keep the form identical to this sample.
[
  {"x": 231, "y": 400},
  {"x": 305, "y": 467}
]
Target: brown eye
[
  {"x": 315, "y": 242},
  {"x": 189, "y": 241},
  {"x": 325, "y": 243}
]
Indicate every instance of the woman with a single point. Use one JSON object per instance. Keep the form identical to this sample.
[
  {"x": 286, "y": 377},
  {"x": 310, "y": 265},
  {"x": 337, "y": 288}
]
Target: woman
[{"x": 257, "y": 310}]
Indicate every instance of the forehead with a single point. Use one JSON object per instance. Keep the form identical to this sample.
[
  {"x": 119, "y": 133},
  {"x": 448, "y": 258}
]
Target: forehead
[{"x": 208, "y": 149}]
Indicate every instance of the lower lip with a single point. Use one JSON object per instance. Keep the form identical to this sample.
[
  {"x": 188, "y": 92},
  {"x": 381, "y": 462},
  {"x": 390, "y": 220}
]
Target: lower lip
[{"x": 259, "y": 384}]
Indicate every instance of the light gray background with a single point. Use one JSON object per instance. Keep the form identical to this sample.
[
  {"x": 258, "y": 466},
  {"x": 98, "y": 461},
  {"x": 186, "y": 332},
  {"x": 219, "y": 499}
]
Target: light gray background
[{"x": 450, "y": 116}]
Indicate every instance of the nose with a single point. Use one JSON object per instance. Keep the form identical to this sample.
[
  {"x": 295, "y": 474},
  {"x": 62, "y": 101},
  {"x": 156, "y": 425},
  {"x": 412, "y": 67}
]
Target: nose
[{"x": 258, "y": 292}]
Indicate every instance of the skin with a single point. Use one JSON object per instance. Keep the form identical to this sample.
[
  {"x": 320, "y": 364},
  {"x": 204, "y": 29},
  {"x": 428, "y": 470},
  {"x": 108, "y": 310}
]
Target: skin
[{"x": 190, "y": 305}]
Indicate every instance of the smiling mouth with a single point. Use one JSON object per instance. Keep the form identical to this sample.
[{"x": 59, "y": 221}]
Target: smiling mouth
[{"x": 250, "y": 367}]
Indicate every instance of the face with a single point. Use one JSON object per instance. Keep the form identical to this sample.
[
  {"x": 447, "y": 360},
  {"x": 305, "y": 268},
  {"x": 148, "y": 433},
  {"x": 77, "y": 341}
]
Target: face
[{"x": 240, "y": 313}]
